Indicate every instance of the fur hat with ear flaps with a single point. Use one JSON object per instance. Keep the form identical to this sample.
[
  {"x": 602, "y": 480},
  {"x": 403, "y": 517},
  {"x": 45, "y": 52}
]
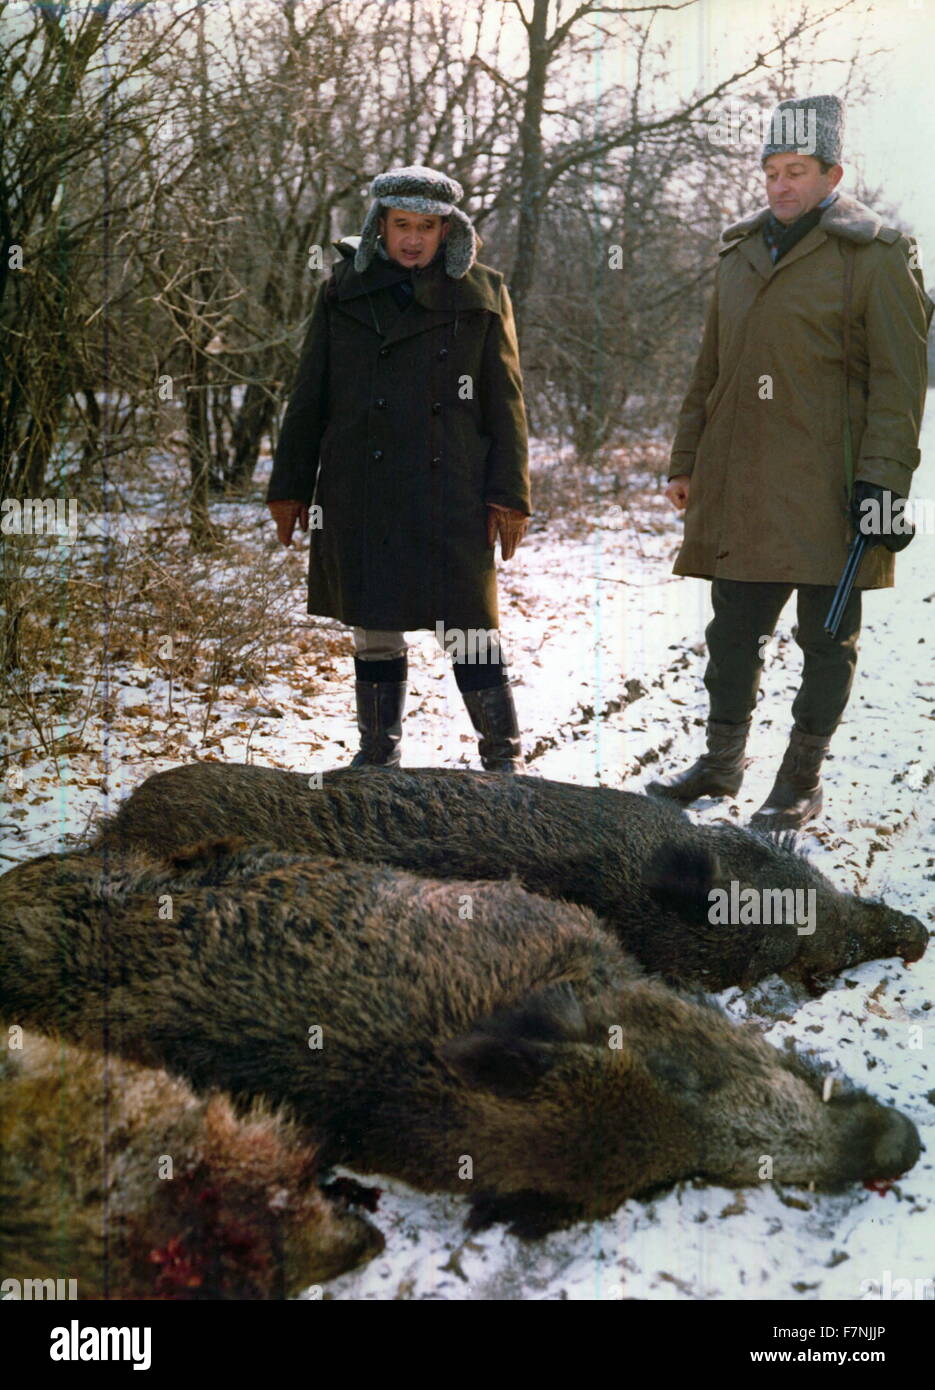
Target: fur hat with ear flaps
[{"x": 417, "y": 189}]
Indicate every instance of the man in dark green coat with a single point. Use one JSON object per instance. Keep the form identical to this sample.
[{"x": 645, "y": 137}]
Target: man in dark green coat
[{"x": 406, "y": 430}]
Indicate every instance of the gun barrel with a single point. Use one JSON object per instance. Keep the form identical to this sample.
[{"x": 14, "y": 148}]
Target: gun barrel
[{"x": 845, "y": 584}]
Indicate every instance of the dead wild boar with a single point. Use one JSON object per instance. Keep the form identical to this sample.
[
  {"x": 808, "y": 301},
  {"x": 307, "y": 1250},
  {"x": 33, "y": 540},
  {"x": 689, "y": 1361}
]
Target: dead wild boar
[
  {"x": 463, "y": 1036},
  {"x": 86, "y": 1190},
  {"x": 653, "y": 875}
]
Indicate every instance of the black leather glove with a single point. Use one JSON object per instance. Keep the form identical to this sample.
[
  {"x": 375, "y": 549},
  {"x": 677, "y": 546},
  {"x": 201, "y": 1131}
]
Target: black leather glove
[{"x": 883, "y": 523}]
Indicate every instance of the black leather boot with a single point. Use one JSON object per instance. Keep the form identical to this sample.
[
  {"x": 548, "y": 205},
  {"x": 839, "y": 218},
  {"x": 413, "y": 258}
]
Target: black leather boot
[
  {"x": 380, "y": 719},
  {"x": 796, "y": 796},
  {"x": 718, "y": 772},
  {"x": 494, "y": 718}
]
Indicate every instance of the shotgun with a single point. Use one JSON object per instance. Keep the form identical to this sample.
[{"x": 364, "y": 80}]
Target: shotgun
[{"x": 842, "y": 593}]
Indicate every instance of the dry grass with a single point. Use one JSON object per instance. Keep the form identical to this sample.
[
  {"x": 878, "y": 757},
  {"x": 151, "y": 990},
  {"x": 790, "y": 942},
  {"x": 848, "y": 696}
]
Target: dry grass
[
  {"x": 74, "y": 615},
  {"x": 562, "y": 489}
]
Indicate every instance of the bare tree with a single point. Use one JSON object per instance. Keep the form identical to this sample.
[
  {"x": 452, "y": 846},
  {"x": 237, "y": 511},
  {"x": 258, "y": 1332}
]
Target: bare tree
[{"x": 71, "y": 102}]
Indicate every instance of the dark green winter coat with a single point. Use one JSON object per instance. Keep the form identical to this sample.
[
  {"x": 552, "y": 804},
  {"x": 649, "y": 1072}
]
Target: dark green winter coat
[{"x": 402, "y": 426}]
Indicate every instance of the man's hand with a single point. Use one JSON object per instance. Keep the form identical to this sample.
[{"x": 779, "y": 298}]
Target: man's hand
[
  {"x": 285, "y": 515},
  {"x": 880, "y": 516},
  {"x": 509, "y": 524},
  {"x": 677, "y": 491}
]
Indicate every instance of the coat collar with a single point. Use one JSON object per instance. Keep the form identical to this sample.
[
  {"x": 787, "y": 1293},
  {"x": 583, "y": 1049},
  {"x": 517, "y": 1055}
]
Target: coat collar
[
  {"x": 435, "y": 290},
  {"x": 846, "y": 218},
  {"x": 755, "y": 250},
  {"x": 438, "y": 298}
]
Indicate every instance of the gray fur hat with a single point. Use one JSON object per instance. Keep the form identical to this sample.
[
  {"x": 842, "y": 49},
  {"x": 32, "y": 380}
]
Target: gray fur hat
[
  {"x": 807, "y": 125},
  {"x": 418, "y": 189}
]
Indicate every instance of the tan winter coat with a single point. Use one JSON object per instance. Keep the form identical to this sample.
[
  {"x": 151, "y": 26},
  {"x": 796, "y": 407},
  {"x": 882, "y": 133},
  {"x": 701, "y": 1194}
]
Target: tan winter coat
[{"x": 761, "y": 430}]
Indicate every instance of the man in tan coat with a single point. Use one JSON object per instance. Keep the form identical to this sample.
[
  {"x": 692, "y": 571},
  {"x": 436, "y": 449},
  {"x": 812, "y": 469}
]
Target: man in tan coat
[{"x": 771, "y": 467}]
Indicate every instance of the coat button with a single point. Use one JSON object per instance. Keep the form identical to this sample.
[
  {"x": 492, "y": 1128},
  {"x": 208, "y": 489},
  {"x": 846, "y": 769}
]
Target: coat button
[
  {"x": 384, "y": 352},
  {"x": 437, "y": 408},
  {"x": 442, "y": 353},
  {"x": 377, "y": 455},
  {"x": 436, "y": 461},
  {"x": 381, "y": 403}
]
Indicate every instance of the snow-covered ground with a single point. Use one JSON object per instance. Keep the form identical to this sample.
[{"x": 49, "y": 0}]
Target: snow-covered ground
[{"x": 608, "y": 659}]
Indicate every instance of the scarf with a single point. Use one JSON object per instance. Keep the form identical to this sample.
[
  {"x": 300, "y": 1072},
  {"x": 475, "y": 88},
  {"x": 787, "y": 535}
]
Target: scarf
[{"x": 780, "y": 238}]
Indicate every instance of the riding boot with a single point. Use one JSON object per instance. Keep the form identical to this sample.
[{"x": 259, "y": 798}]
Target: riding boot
[
  {"x": 796, "y": 796},
  {"x": 494, "y": 718},
  {"x": 718, "y": 772},
  {"x": 380, "y": 707}
]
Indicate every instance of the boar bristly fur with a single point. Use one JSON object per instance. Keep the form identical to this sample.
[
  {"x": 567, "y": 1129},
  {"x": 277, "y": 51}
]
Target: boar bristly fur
[
  {"x": 119, "y": 1177},
  {"x": 637, "y": 861},
  {"x": 462, "y": 1036}
]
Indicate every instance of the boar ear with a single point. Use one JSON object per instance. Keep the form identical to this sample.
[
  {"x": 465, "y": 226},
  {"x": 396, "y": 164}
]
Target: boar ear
[
  {"x": 508, "y": 1053},
  {"x": 507, "y": 1067},
  {"x": 551, "y": 1014},
  {"x": 680, "y": 878}
]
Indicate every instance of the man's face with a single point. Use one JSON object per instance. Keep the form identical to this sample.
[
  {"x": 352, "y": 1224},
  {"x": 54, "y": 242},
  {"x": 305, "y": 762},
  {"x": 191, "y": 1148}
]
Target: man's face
[
  {"x": 412, "y": 238},
  {"x": 795, "y": 184}
]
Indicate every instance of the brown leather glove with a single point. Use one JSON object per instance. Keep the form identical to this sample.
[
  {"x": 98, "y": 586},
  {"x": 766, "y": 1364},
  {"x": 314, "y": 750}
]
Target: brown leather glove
[
  {"x": 285, "y": 515},
  {"x": 509, "y": 524}
]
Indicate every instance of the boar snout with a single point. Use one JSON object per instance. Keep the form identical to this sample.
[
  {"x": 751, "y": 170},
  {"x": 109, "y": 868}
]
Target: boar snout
[
  {"x": 912, "y": 937},
  {"x": 876, "y": 1141},
  {"x": 882, "y": 932},
  {"x": 853, "y": 930},
  {"x": 779, "y": 1114}
]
